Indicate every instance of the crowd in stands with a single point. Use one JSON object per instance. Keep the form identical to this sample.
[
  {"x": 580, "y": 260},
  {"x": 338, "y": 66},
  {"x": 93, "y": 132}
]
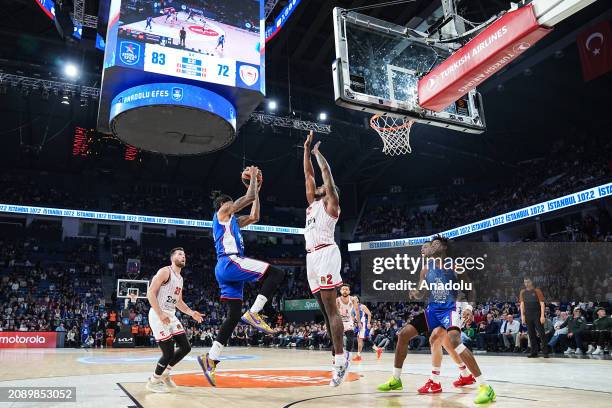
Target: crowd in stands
[
  {"x": 61, "y": 191},
  {"x": 570, "y": 166},
  {"x": 48, "y": 282}
]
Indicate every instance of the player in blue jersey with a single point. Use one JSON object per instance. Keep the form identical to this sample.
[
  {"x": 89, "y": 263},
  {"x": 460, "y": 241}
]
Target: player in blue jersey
[
  {"x": 444, "y": 313},
  {"x": 363, "y": 331},
  {"x": 233, "y": 270},
  {"x": 149, "y": 21},
  {"x": 443, "y": 319},
  {"x": 220, "y": 42}
]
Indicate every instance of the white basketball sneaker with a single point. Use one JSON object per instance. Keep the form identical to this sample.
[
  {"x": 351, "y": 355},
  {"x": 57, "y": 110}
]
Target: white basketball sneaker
[
  {"x": 156, "y": 385},
  {"x": 591, "y": 349},
  {"x": 340, "y": 372},
  {"x": 167, "y": 380}
]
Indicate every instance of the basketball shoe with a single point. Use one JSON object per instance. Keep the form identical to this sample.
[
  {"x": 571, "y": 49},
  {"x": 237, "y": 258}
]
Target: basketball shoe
[
  {"x": 167, "y": 380},
  {"x": 156, "y": 385},
  {"x": 340, "y": 372},
  {"x": 209, "y": 366},
  {"x": 430, "y": 387},
  {"x": 255, "y": 320},
  {"x": 394, "y": 384},
  {"x": 463, "y": 381},
  {"x": 485, "y": 394}
]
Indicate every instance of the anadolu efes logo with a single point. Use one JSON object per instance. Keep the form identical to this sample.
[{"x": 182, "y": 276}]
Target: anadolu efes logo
[
  {"x": 249, "y": 74},
  {"x": 129, "y": 52}
]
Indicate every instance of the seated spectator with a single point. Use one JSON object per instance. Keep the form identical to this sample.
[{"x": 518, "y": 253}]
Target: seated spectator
[
  {"x": 509, "y": 331},
  {"x": 487, "y": 337},
  {"x": 417, "y": 342},
  {"x": 560, "y": 334},
  {"x": 575, "y": 326},
  {"x": 383, "y": 338},
  {"x": 601, "y": 332}
]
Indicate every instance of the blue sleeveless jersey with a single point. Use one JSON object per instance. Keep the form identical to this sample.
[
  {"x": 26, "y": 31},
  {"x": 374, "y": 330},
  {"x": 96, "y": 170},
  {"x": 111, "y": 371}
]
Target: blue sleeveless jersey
[
  {"x": 227, "y": 236},
  {"x": 441, "y": 299}
]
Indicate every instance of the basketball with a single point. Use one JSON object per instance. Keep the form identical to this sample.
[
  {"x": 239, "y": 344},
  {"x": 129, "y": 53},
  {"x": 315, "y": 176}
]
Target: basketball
[{"x": 246, "y": 178}]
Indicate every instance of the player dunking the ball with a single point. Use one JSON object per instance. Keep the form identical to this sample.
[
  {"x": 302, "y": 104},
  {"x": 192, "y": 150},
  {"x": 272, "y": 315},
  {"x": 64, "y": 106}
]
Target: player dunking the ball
[
  {"x": 233, "y": 270},
  {"x": 165, "y": 295},
  {"x": 323, "y": 260}
]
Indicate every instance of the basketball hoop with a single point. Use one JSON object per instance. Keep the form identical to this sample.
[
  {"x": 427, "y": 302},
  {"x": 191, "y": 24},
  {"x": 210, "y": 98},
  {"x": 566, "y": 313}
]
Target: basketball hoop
[
  {"x": 394, "y": 132},
  {"x": 133, "y": 297}
]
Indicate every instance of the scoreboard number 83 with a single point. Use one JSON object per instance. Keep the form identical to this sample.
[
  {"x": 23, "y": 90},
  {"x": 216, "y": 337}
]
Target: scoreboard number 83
[{"x": 158, "y": 58}]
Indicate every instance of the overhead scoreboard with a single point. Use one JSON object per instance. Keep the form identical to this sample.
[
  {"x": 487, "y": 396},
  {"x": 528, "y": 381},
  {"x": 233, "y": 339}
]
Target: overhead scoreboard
[{"x": 218, "y": 46}]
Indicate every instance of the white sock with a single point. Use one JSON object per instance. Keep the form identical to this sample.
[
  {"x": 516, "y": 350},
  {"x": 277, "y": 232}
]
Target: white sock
[
  {"x": 167, "y": 371},
  {"x": 480, "y": 380},
  {"x": 340, "y": 360},
  {"x": 259, "y": 304},
  {"x": 463, "y": 370},
  {"x": 156, "y": 378},
  {"x": 435, "y": 373},
  {"x": 397, "y": 372},
  {"x": 215, "y": 351}
]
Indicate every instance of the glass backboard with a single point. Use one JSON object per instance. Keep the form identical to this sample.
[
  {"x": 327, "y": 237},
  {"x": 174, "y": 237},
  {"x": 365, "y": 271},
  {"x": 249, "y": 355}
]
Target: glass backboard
[{"x": 378, "y": 66}]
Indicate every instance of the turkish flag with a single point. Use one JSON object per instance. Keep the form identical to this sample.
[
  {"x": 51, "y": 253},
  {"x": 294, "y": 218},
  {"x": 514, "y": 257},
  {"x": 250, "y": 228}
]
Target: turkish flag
[{"x": 595, "y": 48}]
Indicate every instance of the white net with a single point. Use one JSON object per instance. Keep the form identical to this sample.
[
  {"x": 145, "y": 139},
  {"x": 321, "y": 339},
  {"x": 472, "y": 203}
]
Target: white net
[{"x": 394, "y": 132}]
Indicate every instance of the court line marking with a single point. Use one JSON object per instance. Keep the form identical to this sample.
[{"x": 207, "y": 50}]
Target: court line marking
[
  {"x": 512, "y": 382},
  {"x": 134, "y": 400},
  {"x": 409, "y": 394}
]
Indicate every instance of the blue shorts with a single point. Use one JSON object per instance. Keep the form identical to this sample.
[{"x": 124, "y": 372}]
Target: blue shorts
[
  {"x": 233, "y": 271},
  {"x": 442, "y": 317}
]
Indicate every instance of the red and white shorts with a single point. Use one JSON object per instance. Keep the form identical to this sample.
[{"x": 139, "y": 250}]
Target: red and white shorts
[
  {"x": 165, "y": 331},
  {"x": 323, "y": 268}
]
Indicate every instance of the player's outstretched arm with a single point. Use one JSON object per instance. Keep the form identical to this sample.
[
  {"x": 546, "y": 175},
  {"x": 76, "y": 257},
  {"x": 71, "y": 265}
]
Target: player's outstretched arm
[
  {"x": 309, "y": 170},
  {"x": 230, "y": 208},
  {"x": 328, "y": 181},
  {"x": 160, "y": 277},
  {"x": 253, "y": 217}
]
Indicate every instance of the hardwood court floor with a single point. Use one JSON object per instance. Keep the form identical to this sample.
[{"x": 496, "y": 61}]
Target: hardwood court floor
[{"x": 255, "y": 377}]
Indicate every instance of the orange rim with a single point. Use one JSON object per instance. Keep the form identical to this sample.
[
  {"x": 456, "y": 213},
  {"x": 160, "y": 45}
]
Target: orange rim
[{"x": 382, "y": 129}]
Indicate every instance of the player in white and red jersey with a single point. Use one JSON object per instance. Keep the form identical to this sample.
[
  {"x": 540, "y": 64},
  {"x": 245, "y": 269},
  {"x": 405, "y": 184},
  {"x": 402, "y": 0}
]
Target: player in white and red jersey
[
  {"x": 323, "y": 259},
  {"x": 165, "y": 294},
  {"x": 349, "y": 313}
]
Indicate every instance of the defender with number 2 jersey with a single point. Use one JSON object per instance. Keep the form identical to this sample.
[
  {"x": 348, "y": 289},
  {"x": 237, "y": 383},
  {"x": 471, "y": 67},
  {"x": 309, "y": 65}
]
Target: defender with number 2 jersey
[{"x": 323, "y": 260}]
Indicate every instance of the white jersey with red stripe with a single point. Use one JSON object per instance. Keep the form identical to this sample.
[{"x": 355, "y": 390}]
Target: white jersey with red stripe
[
  {"x": 320, "y": 226},
  {"x": 170, "y": 292},
  {"x": 347, "y": 312}
]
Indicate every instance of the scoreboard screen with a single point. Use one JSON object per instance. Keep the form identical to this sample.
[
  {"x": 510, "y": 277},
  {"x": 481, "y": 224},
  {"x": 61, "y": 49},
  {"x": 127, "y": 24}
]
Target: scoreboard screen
[{"x": 204, "y": 40}]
